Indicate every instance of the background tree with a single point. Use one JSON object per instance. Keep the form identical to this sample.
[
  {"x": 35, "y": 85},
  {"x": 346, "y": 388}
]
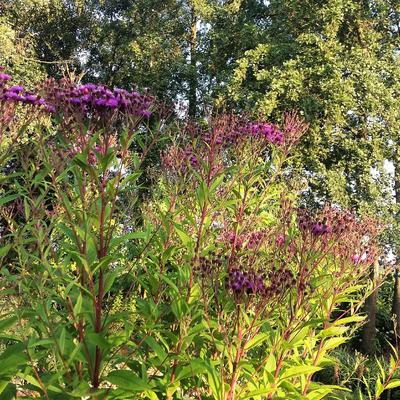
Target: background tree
[{"x": 335, "y": 61}]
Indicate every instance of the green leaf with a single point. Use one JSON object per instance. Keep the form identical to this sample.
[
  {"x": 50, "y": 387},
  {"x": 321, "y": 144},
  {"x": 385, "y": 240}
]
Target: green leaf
[
  {"x": 270, "y": 365},
  {"x": 99, "y": 340},
  {"x": 259, "y": 392},
  {"x": 171, "y": 389},
  {"x": 333, "y": 331},
  {"x": 7, "y": 323},
  {"x": 27, "y": 209},
  {"x": 322, "y": 392},
  {"x": 299, "y": 370},
  {"x": 78, "y": 306},
  {"x": 185, "y": 238},
  {"x": 39, "y": 342},
  {"x": 129, "y": 236},
  {"x": 216, "y": 182},
  {"x": 202, "y": 194},
  {"x": 8, "y": 390},
  {"x": 393, "y": 384},
  {"x": 151, "y": 395},
  {"x": 4, "y": 250},
  {"x": 214, "y": 381},
  {"x": 3, "y": 385},
  {"x": 379, "y": 388},
  {"x": 81, "y": 391},
  {"x": 158, "y": 350},
  {"x": 195, "y": 368},
  {"x": 332, "y": 343},
  {"x": 297, "y": 336},
  {"x": 30, "y": 379},
  {"x": 170, "y": 284},
  {"x": 12, "y": 358},
  {"x": 349, "y": 320},
  {"x": 127, "y": 380},
  {"x": 168, "y": 253},
  {"x": 179, "y": 307},
  {"x": 67, "y": 232},
  {"x": 7, "y": 199},
  {"x": 257, "y": 340},
  {"x": 109, "y": 279}
]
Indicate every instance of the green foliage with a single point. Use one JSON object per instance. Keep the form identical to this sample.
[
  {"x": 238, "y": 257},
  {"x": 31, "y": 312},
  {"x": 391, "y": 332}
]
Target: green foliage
[
  {"x": 338, "y": 65},
  {"x": 18, "y": 54},
  {"x": 98, "y": 304}
]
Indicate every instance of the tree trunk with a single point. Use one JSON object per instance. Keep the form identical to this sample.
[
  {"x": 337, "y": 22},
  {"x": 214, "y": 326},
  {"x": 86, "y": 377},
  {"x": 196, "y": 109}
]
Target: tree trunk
[
  {"x": 368, "y": 337},
  {"x": 396, "y": 300},
  {"x": 192, "y": 96},
  {"x": 396, "y": 292}
]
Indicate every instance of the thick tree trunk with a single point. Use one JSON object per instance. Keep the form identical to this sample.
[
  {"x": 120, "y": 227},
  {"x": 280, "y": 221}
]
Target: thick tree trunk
[
  {"x": 192, "y": 96},
  {"x": 369, "y": 330}
]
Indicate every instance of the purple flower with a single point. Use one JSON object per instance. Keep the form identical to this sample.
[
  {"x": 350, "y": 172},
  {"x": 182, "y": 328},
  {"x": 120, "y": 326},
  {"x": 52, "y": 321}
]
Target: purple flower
[
  {"x": 16, "y": 89},
  {"x": 10, "y": 95},
  {"x": 108, "y": 93},
  {"x": 100, "y": 102},
  {"x": 145, "y": 113},
  {"x": 86, "y": 98},
  {"x": 30, "y": 98},
  {"x": 268, "y": 131},
  {"x": 75, "y": 100},
  {"x": 355, "y": 259},
  {"x": 280, "y": 240},
  {"x": 124, "y": 103},
  {"x": 193, "y": 161},
  {"x": 112, "y": 102},
  {"x": 4, "y": 77},
  {"x": 88, "y": 87},
  {"x": 319, "y": 229},
  {"x": 50, "y": 108},
  {"x": 120, "y": 91},
  {"x": 243, "y": 282}
]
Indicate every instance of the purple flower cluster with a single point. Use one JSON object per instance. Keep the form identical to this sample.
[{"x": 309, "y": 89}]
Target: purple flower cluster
[
  {"x": 241, "y": 282},
  {"x": 179, "y": 159},
  {"x": 255, "y": 239},
  {"x": 210, "y": 266},
  {"x": 280, "y": 280},
  {"x": 4, "y": 77},
  {"x": 280, "y": 240},
  {"x": 190, "y": 157},
  {"x": 267, "y": 131},
  {"x": 89, "y": 101},
  {"x": 235, "y": 239},
  {"x": 316, "y": 228},
  {"x": 320, "y": 229},
  {"x": 255, "y": 129},
  {"x": 95, "y": 100},
  {"x": 17, "y": 94},
  {"x": 251, "y": 240},
  {"x": 228, "y": 129},
  {"x": 251, "y": 282}
]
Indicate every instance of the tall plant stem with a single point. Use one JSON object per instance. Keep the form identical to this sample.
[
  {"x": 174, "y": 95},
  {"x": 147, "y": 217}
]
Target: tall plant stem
[{"x": 100, "y": 295}]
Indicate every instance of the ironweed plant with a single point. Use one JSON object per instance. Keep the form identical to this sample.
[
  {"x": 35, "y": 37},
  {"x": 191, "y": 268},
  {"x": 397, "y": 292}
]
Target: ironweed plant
[
  {"x": 221, "y": 289},
  {"x": 262, "y": 292}
]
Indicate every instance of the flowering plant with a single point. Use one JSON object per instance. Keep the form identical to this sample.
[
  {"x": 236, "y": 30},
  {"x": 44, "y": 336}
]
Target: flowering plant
[
  {"x": 263, "y": 292},
  {"x": 216, "y": 286}
]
